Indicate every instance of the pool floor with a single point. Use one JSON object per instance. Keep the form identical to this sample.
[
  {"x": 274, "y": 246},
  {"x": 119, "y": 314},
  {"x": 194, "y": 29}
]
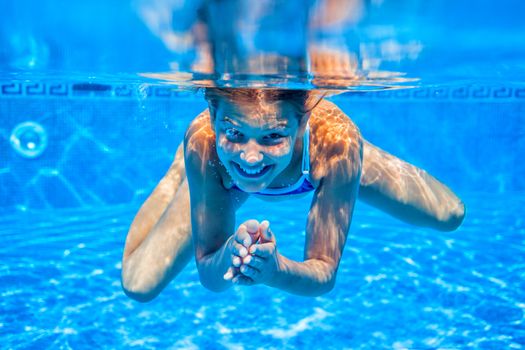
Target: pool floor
[{"x": 398, "y": 286}]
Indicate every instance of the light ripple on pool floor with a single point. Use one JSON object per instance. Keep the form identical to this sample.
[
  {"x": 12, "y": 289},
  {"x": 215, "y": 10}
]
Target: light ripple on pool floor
[{"x": 397, "y": 286}]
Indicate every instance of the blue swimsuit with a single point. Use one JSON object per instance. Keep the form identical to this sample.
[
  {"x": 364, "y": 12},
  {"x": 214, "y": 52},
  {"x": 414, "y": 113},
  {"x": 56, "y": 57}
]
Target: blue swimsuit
[{"x": 303, "y": 184}]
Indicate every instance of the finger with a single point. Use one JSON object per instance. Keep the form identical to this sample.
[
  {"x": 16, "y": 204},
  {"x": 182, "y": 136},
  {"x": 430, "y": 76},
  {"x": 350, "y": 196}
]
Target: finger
[
  {"x": 252, "y": 226},
  {"x": 265, "y": 232},
  {"x": 243, "y": 280},
  {"x": 231, "y": 273},
  {"x": 254, "y": 261},
  {"x": 243, "y": 237},
  {"x": 263, "y": 250},
  {"x": 249, "y": 271},
  {"x": 239, "y": 250},
  {"x": 236, "y": 261},
  {"x": 228, "y": 276}
]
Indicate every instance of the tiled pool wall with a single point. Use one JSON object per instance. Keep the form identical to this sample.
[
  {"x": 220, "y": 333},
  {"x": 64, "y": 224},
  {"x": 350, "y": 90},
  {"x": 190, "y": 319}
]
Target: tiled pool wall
[
  {"x": 110, "y": 143},
  {"x": 471, "y": 137}
]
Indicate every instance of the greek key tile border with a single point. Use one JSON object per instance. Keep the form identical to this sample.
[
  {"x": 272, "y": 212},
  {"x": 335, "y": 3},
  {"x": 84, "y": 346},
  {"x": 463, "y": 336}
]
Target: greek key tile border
[
  {"x": 476, "y": 93},
  {"x": 98, "y": 90},
  {"x": 90, "y": 90}
]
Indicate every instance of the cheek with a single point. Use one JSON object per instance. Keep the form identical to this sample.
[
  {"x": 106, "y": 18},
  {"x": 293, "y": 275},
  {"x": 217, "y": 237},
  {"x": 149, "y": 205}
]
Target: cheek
[
  {"x": 226, "y": 146},
  {"x": 281, "y": 150}
]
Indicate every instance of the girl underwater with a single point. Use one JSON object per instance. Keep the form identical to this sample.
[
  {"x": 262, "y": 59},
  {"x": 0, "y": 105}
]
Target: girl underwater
[{"x": 275, "y": 145}]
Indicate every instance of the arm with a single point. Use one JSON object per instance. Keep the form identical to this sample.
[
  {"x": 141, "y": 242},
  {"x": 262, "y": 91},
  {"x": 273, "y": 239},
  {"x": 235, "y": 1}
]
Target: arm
[
  {"x": 212, "y": 209},
  {"x": 327, "y": 227},
  {"x": 407, "y": 192},
  {"x": 158, "y": 244}
]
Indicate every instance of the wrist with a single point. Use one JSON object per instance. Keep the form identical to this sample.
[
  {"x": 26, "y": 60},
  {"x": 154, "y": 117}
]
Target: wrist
[
  {"x": 279, "y": 274},
  {"x": 213, "y": 267}
]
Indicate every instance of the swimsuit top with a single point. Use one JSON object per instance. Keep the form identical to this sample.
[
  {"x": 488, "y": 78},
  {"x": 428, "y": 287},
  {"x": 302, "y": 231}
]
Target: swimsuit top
[{"x": 303, "y": 184}]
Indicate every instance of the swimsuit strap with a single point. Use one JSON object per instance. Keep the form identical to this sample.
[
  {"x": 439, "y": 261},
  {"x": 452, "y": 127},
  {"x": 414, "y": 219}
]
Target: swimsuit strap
[{"x": 306, "y": 151}]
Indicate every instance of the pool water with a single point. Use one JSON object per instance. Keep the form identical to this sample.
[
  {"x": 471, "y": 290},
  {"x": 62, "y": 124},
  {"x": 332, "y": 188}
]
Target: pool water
[
  {"x": 90, "y": 118},
  {"x": 65, "y": 215},
  {"x": 397, "y": 287}
]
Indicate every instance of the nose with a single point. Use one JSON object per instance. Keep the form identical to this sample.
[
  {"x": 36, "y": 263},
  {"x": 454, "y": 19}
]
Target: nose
[{"x": 252, "y": 153}]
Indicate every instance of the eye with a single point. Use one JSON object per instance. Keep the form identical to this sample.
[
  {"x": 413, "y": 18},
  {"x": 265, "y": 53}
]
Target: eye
[
  {"x": 233, "y": 134},
  {"x": 273, "y": 138}
]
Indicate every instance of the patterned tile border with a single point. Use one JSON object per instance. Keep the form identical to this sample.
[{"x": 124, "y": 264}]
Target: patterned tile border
[
  {"x": 91, "y": 90},
  {"x": 446, "y": 93},
  {"x": 478, "y": 93},
  {"x": 95, "y": 90}
]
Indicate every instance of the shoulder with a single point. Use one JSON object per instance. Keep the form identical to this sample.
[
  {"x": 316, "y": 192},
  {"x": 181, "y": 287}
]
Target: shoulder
[
  {"x": 335, "y": 142},
  {"x": 199, "y": 145},
  {"x": 200, "y": 153},
  {"x": 200, "y": 135}
]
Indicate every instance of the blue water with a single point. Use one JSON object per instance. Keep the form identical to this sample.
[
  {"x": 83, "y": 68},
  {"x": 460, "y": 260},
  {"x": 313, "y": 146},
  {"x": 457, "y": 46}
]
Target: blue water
[
  {"x": 85, "y": 136},
  {"x": 398, "y": 286},
  {"x": 65, "y": 215}
]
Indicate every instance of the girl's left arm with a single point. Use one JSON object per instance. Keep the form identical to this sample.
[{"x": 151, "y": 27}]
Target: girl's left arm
[{"x": 327, "y": 228}]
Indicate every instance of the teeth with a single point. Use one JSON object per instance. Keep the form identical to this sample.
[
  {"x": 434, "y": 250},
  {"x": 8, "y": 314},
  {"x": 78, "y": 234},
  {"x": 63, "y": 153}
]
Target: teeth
[{"x": 251, "y": 171}]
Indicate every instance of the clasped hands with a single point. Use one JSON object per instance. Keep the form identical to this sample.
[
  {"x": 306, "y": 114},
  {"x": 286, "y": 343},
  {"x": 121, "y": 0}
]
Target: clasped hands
[{"x": 254, "y": 254}]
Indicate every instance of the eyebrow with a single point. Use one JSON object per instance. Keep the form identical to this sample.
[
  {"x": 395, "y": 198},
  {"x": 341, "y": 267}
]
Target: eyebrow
[
  {"x": 228, "y": 120},
  {"x": 278, "y": 125}
]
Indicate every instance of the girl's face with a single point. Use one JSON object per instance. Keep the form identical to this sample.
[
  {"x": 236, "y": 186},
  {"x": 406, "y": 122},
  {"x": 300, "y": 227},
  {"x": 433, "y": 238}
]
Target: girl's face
[{"x": 255, "y": 143}]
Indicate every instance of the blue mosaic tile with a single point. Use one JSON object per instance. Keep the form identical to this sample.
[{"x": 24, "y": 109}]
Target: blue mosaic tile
[
  {"x": 111, "y": 143},
  {"x": 9, "y": 188},
  {"x": 55, "y": 190}
]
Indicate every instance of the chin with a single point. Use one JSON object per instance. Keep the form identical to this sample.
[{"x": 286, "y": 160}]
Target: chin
[{"x": 251, "y": 186}]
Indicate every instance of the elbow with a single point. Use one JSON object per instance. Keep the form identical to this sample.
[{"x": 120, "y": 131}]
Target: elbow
[
  {"x": 212, "y": 287},
  {"x": 210, "y": 281},
  {"x": 328, "y": 285},
  {"x": 326, "y": 271},
  {"x": 325, "y": 288}
]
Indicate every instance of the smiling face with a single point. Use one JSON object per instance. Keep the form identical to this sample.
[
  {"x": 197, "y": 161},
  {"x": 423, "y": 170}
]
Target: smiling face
[{"x": 255, "y": 140}]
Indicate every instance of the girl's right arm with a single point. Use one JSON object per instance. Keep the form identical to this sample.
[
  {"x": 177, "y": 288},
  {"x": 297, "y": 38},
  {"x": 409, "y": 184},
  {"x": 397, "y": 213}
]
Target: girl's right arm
[{"x": 212, "y": 207}]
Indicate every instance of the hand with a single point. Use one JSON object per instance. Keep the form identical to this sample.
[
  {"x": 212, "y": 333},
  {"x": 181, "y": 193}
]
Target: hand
[
  {"x": 246, "y": 235},
  {"x": 262, "y": 263}
]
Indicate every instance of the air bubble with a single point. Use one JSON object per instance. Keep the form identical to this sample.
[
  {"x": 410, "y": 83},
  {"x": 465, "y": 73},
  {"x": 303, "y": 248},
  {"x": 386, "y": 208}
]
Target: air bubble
[{"x": 29, "y": 139}]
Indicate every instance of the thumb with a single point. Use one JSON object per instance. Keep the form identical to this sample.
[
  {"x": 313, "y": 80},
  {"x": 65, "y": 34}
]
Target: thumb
[
  {"x": 266, "y": 233},
  {"x": 252, "y": 227}
]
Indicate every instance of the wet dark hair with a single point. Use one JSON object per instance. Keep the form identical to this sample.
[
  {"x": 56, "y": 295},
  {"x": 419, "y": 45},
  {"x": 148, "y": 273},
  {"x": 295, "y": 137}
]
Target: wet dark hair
[{"x": 303, "y": 101}]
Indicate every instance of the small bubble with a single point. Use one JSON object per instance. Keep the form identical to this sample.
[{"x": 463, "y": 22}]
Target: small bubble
[{"x": 29, "y": 139}]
